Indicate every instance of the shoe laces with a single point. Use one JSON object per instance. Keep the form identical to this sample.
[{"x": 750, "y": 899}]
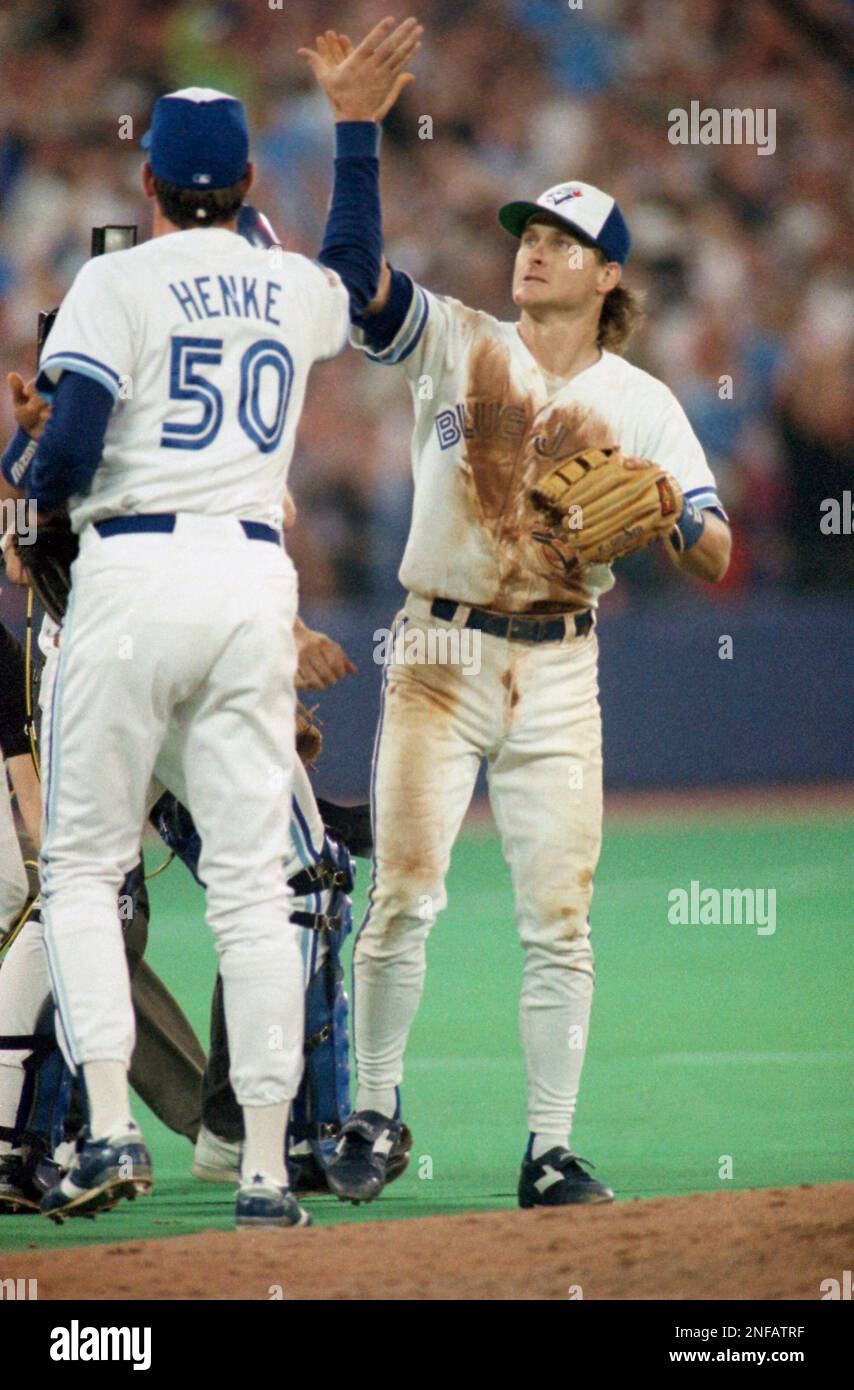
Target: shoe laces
[{"x": 569, "y": 1158}]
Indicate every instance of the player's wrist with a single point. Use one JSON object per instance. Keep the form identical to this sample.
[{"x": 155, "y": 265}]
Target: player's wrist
[
  {"x": 357, "y": 136},
  {"x": 688, "y": 529},
  {"x": 18, "y": 456}
]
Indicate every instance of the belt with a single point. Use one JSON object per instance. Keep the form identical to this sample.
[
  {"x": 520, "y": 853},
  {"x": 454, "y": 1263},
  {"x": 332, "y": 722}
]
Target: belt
[
  {"x": 517, "y": 628},
  {"x": 165, "y": 522}
]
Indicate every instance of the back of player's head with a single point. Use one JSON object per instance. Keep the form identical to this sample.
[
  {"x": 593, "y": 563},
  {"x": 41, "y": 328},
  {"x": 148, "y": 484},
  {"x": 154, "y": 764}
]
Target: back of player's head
[{"x": 198, "y": 149}]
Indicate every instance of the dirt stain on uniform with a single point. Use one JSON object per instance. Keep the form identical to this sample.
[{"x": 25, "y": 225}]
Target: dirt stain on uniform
[
  {"x": 409, "y": 831},
  {"x": 511, "y": 687},
  {"x": 569, "y": 917},
  {"x": 509, "y": 446}
]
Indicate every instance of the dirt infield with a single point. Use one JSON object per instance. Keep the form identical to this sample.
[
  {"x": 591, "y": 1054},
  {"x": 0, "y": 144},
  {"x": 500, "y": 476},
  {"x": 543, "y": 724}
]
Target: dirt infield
[{"x": 769, "y": 1243}]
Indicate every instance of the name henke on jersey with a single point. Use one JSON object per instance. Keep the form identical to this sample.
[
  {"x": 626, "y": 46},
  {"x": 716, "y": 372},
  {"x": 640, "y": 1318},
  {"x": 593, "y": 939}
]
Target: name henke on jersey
[
  {"x": 227, "y": 296},
  {"x": 76, "y": 1343}
]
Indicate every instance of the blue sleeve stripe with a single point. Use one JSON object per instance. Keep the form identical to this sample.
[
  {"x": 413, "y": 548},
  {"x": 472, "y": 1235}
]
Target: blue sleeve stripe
[
  {"x": 410, "y": 333},
  {"x": 422, "y": 324},
  {"x": 85, "y": 366},
  {"x": 707, "y": 500}
]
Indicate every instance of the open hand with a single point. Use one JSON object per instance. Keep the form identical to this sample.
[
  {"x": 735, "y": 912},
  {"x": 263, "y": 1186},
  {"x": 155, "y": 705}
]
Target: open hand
[{"x": 362, "y": 84}]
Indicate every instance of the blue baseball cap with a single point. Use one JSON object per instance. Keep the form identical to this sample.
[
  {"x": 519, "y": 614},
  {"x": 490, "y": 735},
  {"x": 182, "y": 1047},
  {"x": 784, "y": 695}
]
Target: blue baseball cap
[
  {"x": 582, "y": 208},
  {"x": 198, "y": 138}
]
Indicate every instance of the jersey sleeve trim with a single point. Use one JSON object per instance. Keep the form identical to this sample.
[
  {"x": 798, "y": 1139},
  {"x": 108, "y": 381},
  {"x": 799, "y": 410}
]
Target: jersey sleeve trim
[
  {"x": 706, "y": 499},
  {"x": 81, "y": 363},
  {"x": 411, "y": 331}
]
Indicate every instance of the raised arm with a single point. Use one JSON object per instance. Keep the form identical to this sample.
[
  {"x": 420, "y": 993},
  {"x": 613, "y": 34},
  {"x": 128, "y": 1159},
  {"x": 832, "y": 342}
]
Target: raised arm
[{"x": 361, "y": 86}]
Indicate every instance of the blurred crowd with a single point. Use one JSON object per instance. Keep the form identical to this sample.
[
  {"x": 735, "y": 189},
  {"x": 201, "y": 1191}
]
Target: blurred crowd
[{"x": 742, "y": 256}]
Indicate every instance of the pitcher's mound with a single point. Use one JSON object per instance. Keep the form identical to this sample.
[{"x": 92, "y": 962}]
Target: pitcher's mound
[{"x": 769, "y": 1243}]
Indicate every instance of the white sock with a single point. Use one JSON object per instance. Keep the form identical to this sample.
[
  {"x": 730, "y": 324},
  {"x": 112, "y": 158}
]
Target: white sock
[
  {"x": 384, "y": 1101},
  {"x": 108, "y": 1097},
  {"x": 264, "y": 1146},
  {"x": 555, "y": 1025},
  {"x": 543, "y": 1142}
]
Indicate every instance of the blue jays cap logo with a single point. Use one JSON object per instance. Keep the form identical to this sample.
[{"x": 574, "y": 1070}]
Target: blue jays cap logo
[{"x": 556, "y": 196}]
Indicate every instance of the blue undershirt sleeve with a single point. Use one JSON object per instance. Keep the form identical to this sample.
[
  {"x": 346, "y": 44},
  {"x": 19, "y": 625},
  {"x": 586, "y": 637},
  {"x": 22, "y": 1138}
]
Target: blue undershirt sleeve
[
  {"x": 353, "y": 239},
  {"x": 70, "y": 448}
]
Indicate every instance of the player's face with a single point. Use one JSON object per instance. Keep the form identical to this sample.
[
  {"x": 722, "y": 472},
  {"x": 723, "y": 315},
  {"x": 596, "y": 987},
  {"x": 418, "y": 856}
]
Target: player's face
[{"x": 553, "y": 270}]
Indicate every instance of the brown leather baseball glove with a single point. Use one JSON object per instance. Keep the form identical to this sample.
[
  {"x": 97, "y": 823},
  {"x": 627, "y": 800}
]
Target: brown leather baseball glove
[
  {"x": 598, "y": 506},
  {"x": 309, "y": 737}
]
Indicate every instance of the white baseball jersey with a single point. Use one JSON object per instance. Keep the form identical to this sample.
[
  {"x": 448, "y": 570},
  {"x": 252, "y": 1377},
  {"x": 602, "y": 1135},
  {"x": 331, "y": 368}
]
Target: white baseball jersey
[
  {"x": 488, "y": 423},
  {"x": 205, "y": 343}
]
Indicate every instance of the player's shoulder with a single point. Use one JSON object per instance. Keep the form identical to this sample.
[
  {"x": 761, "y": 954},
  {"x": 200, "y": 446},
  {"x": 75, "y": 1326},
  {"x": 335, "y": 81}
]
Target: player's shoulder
[
  {"x": 309, "y": 266},
  {"x": 470, "y": 321},
  {"x": 119, "y": 271},
  {"x": 636, "y": 381}
]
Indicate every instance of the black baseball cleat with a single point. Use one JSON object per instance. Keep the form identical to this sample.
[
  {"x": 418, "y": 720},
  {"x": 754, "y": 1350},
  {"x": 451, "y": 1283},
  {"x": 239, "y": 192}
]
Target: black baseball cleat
[
  {"x": 371, "y": 1151},
  {"x": 18, "y": 1192},
  {"x": 398, "y": 1159},
  {"x": 556, "y": 1179}
]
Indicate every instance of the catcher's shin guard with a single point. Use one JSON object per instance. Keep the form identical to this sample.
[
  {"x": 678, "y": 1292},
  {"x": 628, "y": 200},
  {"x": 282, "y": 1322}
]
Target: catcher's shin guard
[
  {"x": 177, "y": 830},
  {"x": 45, "y": 1089},
  {"x": 322, "y": 1103},
  {"x": 51, "y": 1106},
  {"x": 323, "y": 1100}
]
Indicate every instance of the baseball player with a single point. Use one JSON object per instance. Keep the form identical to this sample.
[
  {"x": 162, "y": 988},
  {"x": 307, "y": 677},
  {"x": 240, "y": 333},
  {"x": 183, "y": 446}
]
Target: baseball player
[
  {"x": 168, "y": 1066},
  {"x": 179, "y": 370},
  {"x": 497, "y": 405}
]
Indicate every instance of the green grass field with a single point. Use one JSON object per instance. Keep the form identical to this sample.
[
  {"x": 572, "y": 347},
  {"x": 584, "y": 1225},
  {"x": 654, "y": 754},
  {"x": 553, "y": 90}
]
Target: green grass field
[{"x": 707, "y": 1041}]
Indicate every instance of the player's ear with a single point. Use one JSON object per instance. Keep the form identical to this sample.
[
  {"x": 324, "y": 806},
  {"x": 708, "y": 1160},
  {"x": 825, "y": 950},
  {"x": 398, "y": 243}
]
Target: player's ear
[
  {"x": 609, "y": 277},
  {"x": 250, "y": 175},
  {"x": 147, "y": 180}
]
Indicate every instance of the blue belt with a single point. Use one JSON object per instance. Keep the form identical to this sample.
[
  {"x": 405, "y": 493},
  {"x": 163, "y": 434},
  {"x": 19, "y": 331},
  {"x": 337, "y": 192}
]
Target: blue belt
[
  {"x": 165, "y": 522},
  {"x": 517, "y": 627}
]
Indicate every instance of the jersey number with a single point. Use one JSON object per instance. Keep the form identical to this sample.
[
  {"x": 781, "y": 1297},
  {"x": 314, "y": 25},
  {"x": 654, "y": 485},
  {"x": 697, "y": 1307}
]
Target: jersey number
[{"x": 187, "y": 383}]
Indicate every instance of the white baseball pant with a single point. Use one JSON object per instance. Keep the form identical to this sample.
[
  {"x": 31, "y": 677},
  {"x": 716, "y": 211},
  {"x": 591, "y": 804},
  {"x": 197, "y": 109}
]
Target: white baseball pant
[
  {"x": 532, "y": 711},
  {"x": 188, "y": 636}
]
